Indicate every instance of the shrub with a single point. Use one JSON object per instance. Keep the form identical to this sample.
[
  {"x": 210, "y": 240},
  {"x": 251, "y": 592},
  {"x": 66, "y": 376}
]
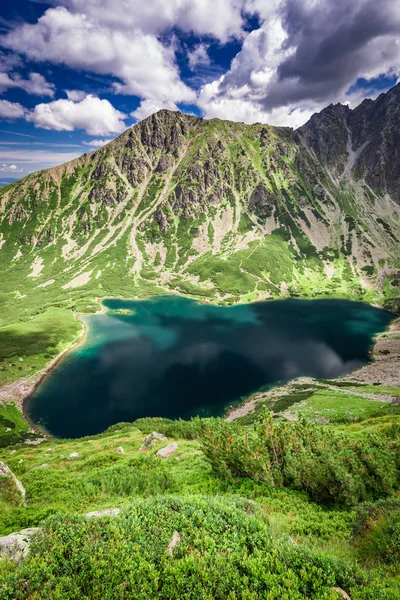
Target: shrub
[
  {"x": 329, "y": 466},
  {"x": 225, "y": 551}
]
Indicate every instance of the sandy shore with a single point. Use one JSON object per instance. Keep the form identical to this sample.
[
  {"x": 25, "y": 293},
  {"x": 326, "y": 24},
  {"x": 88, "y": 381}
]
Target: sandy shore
[{"x": 18, "y": 392}]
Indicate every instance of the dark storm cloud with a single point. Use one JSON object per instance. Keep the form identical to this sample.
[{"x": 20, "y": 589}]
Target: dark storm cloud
[{"x": 335, "y": 42}]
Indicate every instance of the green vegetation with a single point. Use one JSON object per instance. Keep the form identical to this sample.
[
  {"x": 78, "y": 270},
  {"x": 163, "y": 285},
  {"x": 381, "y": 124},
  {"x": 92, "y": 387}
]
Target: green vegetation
[
  {"x": 293, "y": 531},
  {"x": 264, "y": 508}
]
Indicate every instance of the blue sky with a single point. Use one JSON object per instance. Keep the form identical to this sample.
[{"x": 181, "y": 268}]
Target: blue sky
[{"x": 76, "y": 73}]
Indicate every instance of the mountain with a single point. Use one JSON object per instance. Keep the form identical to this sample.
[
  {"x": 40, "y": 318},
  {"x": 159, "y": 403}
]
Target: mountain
[{"x": 210, "y": 208}]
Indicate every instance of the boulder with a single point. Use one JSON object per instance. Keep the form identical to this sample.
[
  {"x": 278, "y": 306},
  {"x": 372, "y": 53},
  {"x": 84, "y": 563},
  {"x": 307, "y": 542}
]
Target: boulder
[
  {"x": 175, "y": 540},
  {"x": 154, "y": 435},
  {"x": 152, "y": 439},
  {"x": 15, "y": 546},
  {"x": 107, "y": 512},
  {"x": 74, "y": 455},
  {"x": 341, "y": 592},
  {"x": 167, "y": 450},
  {"x": 6, "y": 472},
  {"x": 119, "y": 450}
]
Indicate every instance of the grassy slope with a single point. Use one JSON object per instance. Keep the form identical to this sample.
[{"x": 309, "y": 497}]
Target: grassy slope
[{"x": 210, "y": 518}]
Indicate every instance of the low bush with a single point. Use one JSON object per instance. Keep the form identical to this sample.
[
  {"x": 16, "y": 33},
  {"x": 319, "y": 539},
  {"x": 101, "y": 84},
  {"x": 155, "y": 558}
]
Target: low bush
[
  {"x": 328, "y": 465},
  {"x": 377, "y": 532},
  {"x": 224, "y": 550}
]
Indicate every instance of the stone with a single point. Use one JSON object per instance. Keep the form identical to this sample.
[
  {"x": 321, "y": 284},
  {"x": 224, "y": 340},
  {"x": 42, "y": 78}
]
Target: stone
[
  {"x": 119, "y": 450},
  {"x": 6, "y": 472},
  {"x": 151, "y": 439},
  {"x": 154, "y": 435},
  {"x": 175, "y": 540},
  {"x": 107, "y": 512},
  {"x": 13, "y": 452},
  {"x": 15, "y": 546},
  {"x": 74, "y": 455},
  {"x": 167, "y": 450},
  {"x": 35, "y": 442},
  {"x": 342, "y": 592}
]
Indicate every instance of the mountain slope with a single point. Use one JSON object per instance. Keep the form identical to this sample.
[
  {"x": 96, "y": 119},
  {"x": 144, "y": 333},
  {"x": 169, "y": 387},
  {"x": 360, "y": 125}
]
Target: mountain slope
[{"x": 214, "y": 209}]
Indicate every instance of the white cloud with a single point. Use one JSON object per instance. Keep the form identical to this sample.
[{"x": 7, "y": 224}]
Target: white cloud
[
  {"x": 75, "y": 95},
  {"x": 142, "y": 65},
  {"x": 36, "y": 84},
  {"x": 11, "y": 110},
  {"x": 296, "y": 62},
  {"x": 97, "y": 143},
  {"x": 95, "y": 116},
  {"x": 10, "y": 168},
  {"x": 221, "y": 19},
  {"x": 198, "y": 56},
  {"x": 32, "y": 160},
  {"x": 148, "y": 107}
]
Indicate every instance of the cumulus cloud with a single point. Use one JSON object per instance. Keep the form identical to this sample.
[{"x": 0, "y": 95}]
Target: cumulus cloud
[
  {"x": 97, "y": 143},
  {"x": 95, "y": 116},
  {"x": 32, "y": 159},
  {"x": 304, "y": 56},
  {"x": 142, "y": 65},
  {"x": 10, "y": 168},
  {"x": 36, "y": 84},
  {"x": 148, "y": 107},
  {"x": 11, "y": 110},
  {"x": 221, "y": 19},
  {"x": 198, "y": 56},
  {"x": 75, "y": 95}
]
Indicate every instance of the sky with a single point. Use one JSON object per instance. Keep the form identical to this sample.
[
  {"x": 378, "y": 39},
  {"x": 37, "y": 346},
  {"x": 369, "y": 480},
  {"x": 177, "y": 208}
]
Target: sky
[{"x": 76, "y": 73}]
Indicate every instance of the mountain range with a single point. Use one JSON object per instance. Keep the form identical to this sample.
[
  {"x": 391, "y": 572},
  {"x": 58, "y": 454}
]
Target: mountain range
[{"x": 216, "y": 210}]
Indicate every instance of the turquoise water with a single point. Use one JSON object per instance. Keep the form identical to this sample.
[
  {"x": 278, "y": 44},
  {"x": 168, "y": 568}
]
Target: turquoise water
[{"x": 173, "y": 357}]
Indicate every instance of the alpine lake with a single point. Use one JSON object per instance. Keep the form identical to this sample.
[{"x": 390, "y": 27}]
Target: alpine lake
[{"x": 173, "y": 357}]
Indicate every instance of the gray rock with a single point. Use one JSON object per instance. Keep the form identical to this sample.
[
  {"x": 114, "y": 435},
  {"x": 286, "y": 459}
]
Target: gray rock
[
  {"x": 35, "y": 442},
  {"x": 120, "y": 450},
  {"x": 175, "y": 540},
  {"x": 74, "y": 455},
  {"x": 154, "y": 435},
  {"x": 342, "y": 592},
  {"x": 15, "y": 546},
  {"x": 151, "y": 439},
  {"x": 168, "y": 450},
  {"x": 6, "y": 472},
  {"x": 107, "y": 512}
]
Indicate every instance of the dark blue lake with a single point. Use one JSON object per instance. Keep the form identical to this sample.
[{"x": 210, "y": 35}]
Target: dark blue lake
[{"x": 173, "y": 357}]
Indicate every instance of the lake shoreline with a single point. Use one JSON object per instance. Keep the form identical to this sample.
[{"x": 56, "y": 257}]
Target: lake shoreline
[
  {"x": 385, "y": 349},
  {"x": 20, "y": 391}
]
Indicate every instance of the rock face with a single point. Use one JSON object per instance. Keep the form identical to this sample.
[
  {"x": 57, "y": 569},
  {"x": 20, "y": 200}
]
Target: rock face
[
  {"x": 175, "y": 197},
  {"x": 9, "y": 476},
  {"x": 366, "y": 139},
  {"x": 167, "y": 451}
]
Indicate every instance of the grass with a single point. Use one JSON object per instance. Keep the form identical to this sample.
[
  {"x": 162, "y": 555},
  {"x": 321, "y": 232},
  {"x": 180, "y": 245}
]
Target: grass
[
  {"x": 244, "y": 529},
  {"x": 336, "y": 407}
]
